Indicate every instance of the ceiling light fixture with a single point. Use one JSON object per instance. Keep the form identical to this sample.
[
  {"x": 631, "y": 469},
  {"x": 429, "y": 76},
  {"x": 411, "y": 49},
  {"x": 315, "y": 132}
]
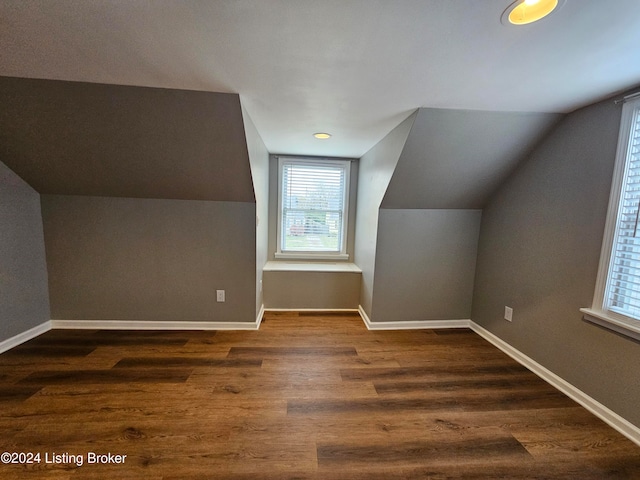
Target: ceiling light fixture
[
  {"x": 322, "y": 136},
  {"x": 524, "y": 12}
]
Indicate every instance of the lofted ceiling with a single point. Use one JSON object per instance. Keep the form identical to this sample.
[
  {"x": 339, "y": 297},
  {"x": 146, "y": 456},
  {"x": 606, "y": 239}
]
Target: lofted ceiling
[
  {"x": 457, "y": 158},
  {"x": 73, "y": 138},
  {"x": 354, "y": 68}
]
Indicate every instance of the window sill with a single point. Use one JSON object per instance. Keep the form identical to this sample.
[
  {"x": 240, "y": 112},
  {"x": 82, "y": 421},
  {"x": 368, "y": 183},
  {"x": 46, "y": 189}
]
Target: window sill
[
  {"x": 342, "y": 267},
  {"x": 627, "y": 328}
]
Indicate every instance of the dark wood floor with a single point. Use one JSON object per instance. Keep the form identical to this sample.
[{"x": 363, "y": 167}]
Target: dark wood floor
[{"x": 305, "y": 397}]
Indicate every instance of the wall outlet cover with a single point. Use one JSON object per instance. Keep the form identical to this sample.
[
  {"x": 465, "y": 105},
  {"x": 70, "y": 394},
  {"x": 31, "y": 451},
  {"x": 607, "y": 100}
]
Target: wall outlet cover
[{"x": 508, "y": 314}]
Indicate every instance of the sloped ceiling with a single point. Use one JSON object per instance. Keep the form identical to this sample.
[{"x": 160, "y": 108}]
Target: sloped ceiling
[
  {"x": 456, "y": 158},
  {"x": 75, "y": 138},
  {"x": 355, "y": 68}
]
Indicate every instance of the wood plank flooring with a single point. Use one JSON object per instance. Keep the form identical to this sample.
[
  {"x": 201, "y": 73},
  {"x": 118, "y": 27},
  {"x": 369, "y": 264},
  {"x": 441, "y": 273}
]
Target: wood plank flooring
[{"x": 307, "y": 397}]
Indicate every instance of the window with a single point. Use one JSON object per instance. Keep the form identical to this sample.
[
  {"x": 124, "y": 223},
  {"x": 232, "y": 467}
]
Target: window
[
  {"x": 616, "y": 303},
  {"x": 312, "y": 208}
]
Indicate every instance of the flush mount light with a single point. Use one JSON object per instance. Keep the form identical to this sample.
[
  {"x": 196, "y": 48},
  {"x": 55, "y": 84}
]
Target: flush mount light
[
  {"x": 524, "y": 12},
  {"x": 322, "y": 136}
]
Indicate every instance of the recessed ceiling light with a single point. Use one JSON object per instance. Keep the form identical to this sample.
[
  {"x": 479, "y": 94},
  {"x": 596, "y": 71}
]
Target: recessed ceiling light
[
  {"x": 322, "y": 136},
  {"x": 524, "y": 12}
]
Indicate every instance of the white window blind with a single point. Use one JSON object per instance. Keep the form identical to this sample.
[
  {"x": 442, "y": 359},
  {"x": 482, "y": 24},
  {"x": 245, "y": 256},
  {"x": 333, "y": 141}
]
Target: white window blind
[
  {"x": 622, "y": 294},
  {"x": 313, "y": 199}
]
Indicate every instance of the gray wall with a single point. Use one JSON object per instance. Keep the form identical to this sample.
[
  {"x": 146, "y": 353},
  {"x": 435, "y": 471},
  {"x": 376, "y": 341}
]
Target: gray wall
[
  {"x": 425, "y": 264},
  {"x": 148, "y": 200},
  {"x": 73, "y": 138},
  {"x": 538, "y": 253},
  {"x": 457, "y": 158},
  {"x": 417, "y": 264},
  {"x": 259, "y": 160},
  {"x": 321, "y": 290},
  {"x": 24, "y": 299},
  {"x": 429, "y": 219},
  {"x": 375, "y": 171},
  {"x": 149, "y": 259}
]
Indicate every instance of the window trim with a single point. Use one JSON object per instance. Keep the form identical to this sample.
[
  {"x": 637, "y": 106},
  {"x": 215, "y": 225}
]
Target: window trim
[
  {"x": 598, "y": 313},
  {"x": 342, "y": 255}
]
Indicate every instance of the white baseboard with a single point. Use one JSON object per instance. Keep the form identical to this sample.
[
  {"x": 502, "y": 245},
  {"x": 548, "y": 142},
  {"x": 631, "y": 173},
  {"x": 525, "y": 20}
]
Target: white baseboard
[
  {"x": 411, "y": 324},
  {"x": 153, "y": 325},
  {"x": 611, "y": 418},
  {"x": 259, "y": 316},
  {"x": 319, "y": 310},
  {"x": 16, "y": 340}
]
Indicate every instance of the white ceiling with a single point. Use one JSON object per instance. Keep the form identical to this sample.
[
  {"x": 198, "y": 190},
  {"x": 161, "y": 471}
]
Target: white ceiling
[{"x": 354, "y": 68}]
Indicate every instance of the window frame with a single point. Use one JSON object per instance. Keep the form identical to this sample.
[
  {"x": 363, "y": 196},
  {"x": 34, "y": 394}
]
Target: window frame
[
  {"x": 599, "y": 313},
  {"x": 342, "y": 254}
]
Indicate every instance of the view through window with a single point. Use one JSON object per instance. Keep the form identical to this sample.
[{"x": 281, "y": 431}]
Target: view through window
[
  {"x": 623, "y": 281},
  {"x": 313, "y": 205}
]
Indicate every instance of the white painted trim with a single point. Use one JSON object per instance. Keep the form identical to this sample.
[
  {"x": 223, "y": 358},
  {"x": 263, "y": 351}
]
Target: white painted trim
[
  {"x": 319, "y": 310},
  {"x": 16, "y": 340},
  {"x": 364, "y": 316},
  {"x": 411, "y": 324},
  {"x": 151, "y": 325},
  {"x": 620, "y": 172},
  {"x": 608, "y": 416},
  {"x": 622, "y": 325},
  {"x": 310, "y": 255},
  {"x": 259, "y": 317},
  {"x": 335, "y": 267}
]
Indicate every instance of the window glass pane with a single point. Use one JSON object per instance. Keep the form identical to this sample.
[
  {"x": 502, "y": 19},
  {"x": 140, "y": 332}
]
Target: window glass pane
[
  {"x": 312, "y": 201},
  {"x": 623, "y": 283}
]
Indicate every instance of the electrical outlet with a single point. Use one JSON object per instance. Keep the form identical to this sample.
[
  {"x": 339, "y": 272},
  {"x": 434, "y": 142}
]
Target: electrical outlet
[
  {"x": 220, "y": 295},
  {"x": 508, "y": 314}
]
